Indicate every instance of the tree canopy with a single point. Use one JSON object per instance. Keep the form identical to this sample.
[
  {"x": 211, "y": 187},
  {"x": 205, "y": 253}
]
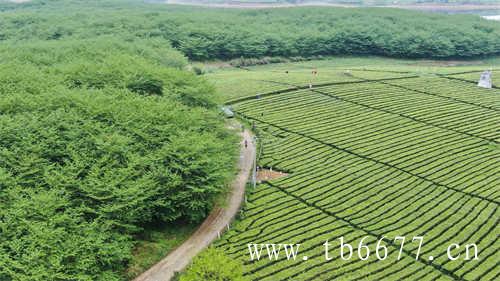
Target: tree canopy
[
  {"x": 99, "y": 138},
  {"x": 203, "y": 34}
]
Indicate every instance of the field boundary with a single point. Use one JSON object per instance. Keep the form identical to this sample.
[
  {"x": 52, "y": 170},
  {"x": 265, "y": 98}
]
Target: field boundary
[
  {"x": 464, "y": 80},
  {"x": 305, "y": 87},
  {"x": 214, "y": 225}
]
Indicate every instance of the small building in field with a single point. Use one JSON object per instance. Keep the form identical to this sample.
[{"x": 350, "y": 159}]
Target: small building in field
[
  {"x": 485, "y": 80},
  {"x": 228, "y": 112}
]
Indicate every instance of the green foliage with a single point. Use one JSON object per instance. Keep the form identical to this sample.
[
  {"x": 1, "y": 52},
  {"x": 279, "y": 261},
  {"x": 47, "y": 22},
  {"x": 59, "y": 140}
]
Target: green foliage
[
  {"x": 108, "y": 62},
  {"x": 103, "y": 132},
  {"x": 214, "y": 265},
  {"x": 100, "y": 138},
  {"x": 203, "y": 34},
  {"x": 112, "y": 161},
  {"x": 198, "y": 70},
  {"x": 146, "y": 85}
]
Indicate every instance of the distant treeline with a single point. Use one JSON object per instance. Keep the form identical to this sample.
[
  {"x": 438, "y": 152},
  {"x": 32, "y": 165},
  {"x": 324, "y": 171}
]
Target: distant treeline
[
  {"x": 353, "y": 2},
  {"x": 203, "y": 34}
]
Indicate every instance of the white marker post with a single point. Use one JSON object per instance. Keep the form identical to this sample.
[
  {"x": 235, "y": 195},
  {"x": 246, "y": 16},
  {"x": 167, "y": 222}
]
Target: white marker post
[{"x": 485, "y": 80}]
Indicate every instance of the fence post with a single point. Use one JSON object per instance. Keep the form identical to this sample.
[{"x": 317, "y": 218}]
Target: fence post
[{"x": 254, "y": 168}]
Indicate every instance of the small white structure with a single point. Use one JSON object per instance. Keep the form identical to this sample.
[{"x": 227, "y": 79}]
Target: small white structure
[
  {"x": 228, "y": 112},
  {"x": 497, "y": 17},
  {"x": 485, "y": 80}
]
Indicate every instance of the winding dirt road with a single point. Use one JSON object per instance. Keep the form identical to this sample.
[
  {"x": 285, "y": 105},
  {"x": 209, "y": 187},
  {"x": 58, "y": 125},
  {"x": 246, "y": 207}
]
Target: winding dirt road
[{"x": 216, "y": 223}]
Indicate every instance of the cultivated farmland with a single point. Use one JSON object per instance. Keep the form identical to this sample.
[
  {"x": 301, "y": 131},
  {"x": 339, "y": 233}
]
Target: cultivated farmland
[{"x": 378, "y": 154}]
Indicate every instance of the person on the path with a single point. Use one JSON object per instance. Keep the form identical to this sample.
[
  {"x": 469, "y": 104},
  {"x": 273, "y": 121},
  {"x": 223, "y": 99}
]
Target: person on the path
[{"x": 246, "y": 143}]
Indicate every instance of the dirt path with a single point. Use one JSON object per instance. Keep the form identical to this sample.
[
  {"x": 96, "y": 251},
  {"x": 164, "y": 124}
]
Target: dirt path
[{"x": 216, "y": 222}]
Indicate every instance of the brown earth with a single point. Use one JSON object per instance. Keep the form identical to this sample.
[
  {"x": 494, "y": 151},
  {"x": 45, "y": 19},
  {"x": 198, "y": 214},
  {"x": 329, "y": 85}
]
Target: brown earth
[{"x": 267, "y": 175}]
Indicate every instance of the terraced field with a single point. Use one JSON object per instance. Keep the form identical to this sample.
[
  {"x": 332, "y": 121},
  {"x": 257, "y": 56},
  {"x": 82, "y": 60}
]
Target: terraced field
[
  {"x": 471, "y": 76},
  {"x": 380, "y": 154}
]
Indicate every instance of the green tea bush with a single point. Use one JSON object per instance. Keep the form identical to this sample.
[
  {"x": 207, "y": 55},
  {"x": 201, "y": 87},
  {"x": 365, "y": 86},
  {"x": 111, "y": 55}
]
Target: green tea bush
[
  {"x": 214, "y": 265},
  {"x": 146, "y": 85}
]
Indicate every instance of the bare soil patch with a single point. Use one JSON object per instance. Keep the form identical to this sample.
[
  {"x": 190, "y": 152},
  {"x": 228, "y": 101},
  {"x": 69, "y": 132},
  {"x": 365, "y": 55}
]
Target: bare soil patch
[{"x": 267, "y": 175}]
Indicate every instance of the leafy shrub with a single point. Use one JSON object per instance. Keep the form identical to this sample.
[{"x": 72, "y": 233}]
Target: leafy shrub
[
  {"x": 214, "y": 265},
  {"x": 97, "y": 142},
  {"x": 146, "y": 85},
  {"x": 198, "y": 70},
  {"x": 98, "y": 165}
]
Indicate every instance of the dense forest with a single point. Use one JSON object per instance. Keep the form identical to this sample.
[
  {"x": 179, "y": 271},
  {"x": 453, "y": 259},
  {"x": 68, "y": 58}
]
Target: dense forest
[
  {"x": 204, "y": 34},
  {"x": 98, "y": 139}
]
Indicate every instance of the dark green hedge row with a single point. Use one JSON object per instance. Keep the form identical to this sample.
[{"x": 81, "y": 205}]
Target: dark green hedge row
[
  {"x": 225, "y": 34},
  {"x": 98, "y": 139}
]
